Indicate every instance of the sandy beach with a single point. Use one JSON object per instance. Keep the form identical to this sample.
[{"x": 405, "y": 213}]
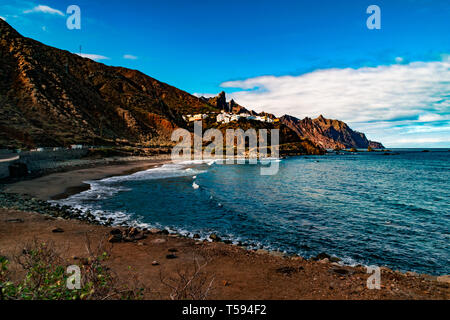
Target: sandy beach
[{"x": 62, "y": 184}]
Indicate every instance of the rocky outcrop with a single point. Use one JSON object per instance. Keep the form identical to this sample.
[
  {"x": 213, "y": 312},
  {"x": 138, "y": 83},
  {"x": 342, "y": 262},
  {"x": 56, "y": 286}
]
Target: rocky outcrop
[
  {"x": 220, "y": 102},
  {"x": 328, "y": 133}
]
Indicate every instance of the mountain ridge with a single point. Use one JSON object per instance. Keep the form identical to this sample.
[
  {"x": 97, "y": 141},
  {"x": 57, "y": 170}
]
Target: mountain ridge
[
  {"x": 329, "y": 133},
  {"x": 51, "y": 97}
]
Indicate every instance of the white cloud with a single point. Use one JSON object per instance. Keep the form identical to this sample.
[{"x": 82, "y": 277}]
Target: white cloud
[
  {"x": 3, "y": 18},
  {"x": 130, "y": 57},
  {"x": 427, "y": 117},
  {"x": 399, "y": 59},
  {"x": 413, "y": 92},
  {"x": 91, "y": 56},
  {"x": 45, "y": 9}
]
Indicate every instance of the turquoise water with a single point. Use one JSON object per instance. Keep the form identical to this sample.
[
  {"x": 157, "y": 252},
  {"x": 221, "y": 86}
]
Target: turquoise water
[{"x": 366, "y": 208}]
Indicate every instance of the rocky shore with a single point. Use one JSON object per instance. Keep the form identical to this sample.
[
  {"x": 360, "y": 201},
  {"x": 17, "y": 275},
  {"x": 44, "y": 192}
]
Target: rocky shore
[
  {"x": 238, "y": 272},
  {"x": 153, "y": 256}
]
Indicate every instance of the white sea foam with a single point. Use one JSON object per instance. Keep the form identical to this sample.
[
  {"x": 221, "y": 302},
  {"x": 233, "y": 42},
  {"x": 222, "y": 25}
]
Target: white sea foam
[
  {"x": 195, "y": 186},
  {"x": 108, "y": 187}
]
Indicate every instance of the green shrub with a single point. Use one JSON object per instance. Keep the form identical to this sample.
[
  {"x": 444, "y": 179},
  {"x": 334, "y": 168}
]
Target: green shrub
[{"x": 45, "y": 278}]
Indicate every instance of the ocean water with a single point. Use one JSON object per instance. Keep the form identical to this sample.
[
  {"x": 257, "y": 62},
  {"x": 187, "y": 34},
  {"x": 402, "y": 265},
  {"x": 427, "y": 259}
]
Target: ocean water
[{"x": 366, "y": 208}]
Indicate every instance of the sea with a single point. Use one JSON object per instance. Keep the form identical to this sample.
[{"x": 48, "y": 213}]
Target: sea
[{"x": 371, "y": 208}]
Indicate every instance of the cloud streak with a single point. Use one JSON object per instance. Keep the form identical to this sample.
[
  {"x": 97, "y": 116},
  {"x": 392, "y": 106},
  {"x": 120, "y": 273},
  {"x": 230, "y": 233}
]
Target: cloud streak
[
  {"x": 95, "y": 57},
  {"x": 410, "y": 95},
  {"x": 130, "y": 57},
  {"x": 45, "y": 9}
]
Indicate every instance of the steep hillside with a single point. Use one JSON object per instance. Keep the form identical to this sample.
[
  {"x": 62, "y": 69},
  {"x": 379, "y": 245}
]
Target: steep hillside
[{"x": 51, "y": 97}]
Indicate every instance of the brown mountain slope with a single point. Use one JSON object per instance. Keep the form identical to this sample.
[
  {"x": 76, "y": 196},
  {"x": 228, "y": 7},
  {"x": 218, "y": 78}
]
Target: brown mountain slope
[
  {"x": 52, "y": 97},
  {"x": 329, "y": 134}
]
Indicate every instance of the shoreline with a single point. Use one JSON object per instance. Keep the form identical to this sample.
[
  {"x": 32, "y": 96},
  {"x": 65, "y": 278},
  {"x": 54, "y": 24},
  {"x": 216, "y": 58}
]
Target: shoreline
[
  {"x": 104, "y": 171},
  {"x": 69, "y": 181},
  {"x": 238, "y": 273}
]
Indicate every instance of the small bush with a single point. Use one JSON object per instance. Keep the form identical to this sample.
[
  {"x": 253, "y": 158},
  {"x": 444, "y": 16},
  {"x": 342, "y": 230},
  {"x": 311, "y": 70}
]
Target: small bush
[{"x": 45, "y": 277}]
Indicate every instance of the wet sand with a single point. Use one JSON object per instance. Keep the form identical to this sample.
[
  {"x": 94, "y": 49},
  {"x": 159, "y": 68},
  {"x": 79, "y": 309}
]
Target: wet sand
[{"x": 60, "y": 185}]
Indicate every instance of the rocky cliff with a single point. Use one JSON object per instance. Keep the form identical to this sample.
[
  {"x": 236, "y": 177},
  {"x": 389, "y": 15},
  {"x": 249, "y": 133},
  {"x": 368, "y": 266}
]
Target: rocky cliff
[{"x": 328, "y": 133}]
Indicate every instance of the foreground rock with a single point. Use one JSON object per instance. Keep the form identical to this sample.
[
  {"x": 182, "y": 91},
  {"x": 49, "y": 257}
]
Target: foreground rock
[{"x": 128, "y": 235}]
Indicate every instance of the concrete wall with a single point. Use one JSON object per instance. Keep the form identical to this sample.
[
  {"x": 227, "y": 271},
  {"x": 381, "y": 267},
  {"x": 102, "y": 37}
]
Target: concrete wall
[
  {"x": 4, "y": 171},
  {"x": 39, "y": 160},
  {"x": 6, "y": 158}
]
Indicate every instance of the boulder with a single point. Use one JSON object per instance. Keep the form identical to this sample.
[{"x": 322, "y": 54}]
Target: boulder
[
  {"x": 335, "y": 259},
  {"x": 57, "y": 230},
  {"x": 322, "y": 256},
  {"x": 115, "y": 231},
  {"x": 114, "y": 238},
  {"x": 214, "y": 237}
]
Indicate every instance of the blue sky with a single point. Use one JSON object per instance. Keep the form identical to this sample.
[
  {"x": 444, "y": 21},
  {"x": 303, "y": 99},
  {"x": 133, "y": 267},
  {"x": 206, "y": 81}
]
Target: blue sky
[{"x": 304, "y": 58}]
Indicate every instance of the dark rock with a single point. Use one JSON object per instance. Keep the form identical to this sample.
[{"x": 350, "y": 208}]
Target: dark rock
[
  {"x": 335, "y": 259},
  {"x": 196, "y": 236},
  {"x": 288, "y": 270},
  {"x": 340, "y": 271},
  {"x": 172, "y": 250},
  {"x": 57, "y": 230},
  {"x": 171, "y": 256},
  {"x": 214, "y": 237},
  {"x": 132, "y": 231},
  {"x": 115, "y": 231},
  {"x": 114, "y": 238},
  {"x": 322, "y": 256},
  {"x": 15, "y": 220},
  {"x": 165, "y": 232},
  {"x": 227, "y": 241}
]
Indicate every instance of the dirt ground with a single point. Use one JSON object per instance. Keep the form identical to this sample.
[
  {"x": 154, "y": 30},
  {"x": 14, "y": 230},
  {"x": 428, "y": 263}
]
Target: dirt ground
[{"x": 233, "y": 272}]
